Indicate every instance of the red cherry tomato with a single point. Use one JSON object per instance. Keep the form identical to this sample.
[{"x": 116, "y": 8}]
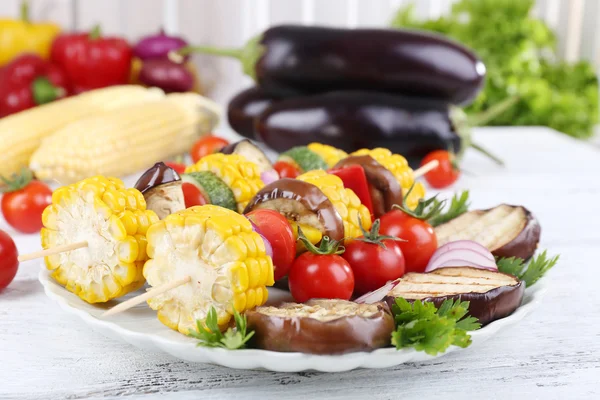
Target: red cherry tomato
[
  {"x": 315, "y": 276},
  {"x": 192, "y": 196},
  {"x": 373, "y": 265},
  {"x": 273, "y": 226},
  {"x": 23, "y": 208},
  {"x": 178, "y": 167},
  {"x": 8, "y": 260},
  {"x": 421, "y": 241},
  {"x": 286, "y": 170},
  {"x": 207, "y": 145},
  {"x": 446, "y": 173}
]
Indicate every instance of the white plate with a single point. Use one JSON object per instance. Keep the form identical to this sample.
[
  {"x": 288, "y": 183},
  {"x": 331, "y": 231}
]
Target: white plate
[{"x": 140, "y": 327}]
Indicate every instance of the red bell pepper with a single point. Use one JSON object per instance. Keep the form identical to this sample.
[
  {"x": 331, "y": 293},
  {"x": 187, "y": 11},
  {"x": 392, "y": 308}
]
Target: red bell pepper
[
  {"x": 28, "y": 81},
  {"x": 92, "y": 61},
  {"x": 354, "y": 178}
]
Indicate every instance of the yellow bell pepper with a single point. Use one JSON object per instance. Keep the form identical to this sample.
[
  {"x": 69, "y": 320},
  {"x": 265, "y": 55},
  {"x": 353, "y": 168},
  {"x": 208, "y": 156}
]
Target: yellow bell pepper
[{"x": 22, "y": 36}]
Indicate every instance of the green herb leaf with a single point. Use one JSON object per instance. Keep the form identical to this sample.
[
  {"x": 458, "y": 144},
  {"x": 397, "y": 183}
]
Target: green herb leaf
[
  {"x": 458, "y": 206},
  {"x": 426, "y": 328},
  {"x": 529, "y": 272},
  {"x": 209, "y": 334}
]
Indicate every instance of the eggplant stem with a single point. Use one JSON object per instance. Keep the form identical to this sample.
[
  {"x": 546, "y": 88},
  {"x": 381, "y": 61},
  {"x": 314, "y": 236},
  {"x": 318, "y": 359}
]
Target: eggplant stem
[
  {"x": 233, "y": 53},
  {"x": 492, "y": 112},
  {"x": 487, "y": 153}
]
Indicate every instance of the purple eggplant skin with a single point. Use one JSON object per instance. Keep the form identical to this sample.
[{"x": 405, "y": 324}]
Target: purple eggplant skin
[
  {"x": 167, "y": 75},
  {"x": 309, "y": 59},
  {"x": 158, "y": 46},
  {"x": 245, "y": 107},
  {"x": 352, "y": 120}
]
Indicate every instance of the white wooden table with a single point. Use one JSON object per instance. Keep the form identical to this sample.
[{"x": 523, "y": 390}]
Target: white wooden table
[{"x": 553, "y": 354}]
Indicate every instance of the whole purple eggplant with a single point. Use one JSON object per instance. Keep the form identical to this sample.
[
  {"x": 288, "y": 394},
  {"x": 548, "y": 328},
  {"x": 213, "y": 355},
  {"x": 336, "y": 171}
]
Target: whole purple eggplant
[
  {"x": 245, "y": 107},
  {"x": 167, "y": 75},
  {"x": 291, "y": 60},
  {"x": 351, "y": 120}
]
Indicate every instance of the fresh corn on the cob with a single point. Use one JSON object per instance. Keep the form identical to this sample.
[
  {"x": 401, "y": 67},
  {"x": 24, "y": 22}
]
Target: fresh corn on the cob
[
  {"x": 241, "y": 175},
  {"x": 126, "y": 140},
  {"x": 345, "y": 201},
  {"x": 113, "y": 221},
  {"x": 399, "y": 167},
  {"x": 330, "y": 154},
  {"x": 22, "y": 133},
  {"x": 225, "y": 258}
]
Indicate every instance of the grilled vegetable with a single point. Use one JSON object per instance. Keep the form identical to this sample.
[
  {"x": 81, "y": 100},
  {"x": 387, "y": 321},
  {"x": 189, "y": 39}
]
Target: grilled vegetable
[
  {"x": 344, "y": 200},
  {"x": 123, "y": 141},
  {"x": 295, "y": 59},
  {"x": 161, "y": 187},
  {"x": 304, "y": 158},
  {"x": 321, "y": 327},
  {"x": 492, "y": 295},
  {"x": 113, "y": 221},
  {"x": 304, "y": 204},
  {"x": 352, "y": 120},
  {"x": 251, "y": 152},
  {"x": 225, "y": 258},
  {"x": 329, "y": 154},
  {"x": 245, "y": 107},
  {"x": 22, "y": 133},
  {"x": 239, "y": 174},
  {"x": 398, "y": 166},
  {"x": 212, "y": 188},
  {"x": 507, "y": 231}
]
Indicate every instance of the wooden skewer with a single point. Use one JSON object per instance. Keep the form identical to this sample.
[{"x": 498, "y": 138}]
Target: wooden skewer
[
  {"x": 126, "y": 305},
  {"x": 54, "y": 250},
  {"x": 431, "y": 165}
]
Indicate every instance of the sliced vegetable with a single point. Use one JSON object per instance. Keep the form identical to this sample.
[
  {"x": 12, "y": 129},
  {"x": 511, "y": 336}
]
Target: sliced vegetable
[
  {"x": 8, "y": 259},
  {"x": 269, "y": 177},
  {"x": 161, "y": 187},
  {"x": 192, "y": 195},
  {"x": 251, "y": 152},
  {"x": 24, "y": 201},
  {"x": 462, "y": 253},
  {"x": 304, "y": 158},
  {"x": 321, "y": 327},
  {"x": 355, "y": 179},
  {"x": 378, "y": 294},
  {"x": 212, "y": 189},
  {"x": 178, "y": 167}
]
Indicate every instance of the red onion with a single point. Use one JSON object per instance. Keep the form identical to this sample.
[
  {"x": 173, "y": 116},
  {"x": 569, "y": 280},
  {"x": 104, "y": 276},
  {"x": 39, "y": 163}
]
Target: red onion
[
  {"x": 158, "y": 46},
  {"x": 167, "y": 75},
  {"x": 268, "y": 247},
  {"x": 269, "y": 176},
  {"x": 462, "y": 253},
  {"x": 377, "y": 295}
]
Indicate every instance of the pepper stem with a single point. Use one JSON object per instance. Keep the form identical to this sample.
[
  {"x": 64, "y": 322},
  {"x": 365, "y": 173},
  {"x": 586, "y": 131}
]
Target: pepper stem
[
  {"x": 95, "y": 33},
  {"x": 44, "y": 91},
  {"x": 24, "y": 11}
]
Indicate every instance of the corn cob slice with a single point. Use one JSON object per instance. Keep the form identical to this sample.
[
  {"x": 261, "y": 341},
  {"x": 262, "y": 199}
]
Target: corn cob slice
[
  {"x": 330, "y": 154},
  {"x": 225, "y": 258},
  {"x": 399, "y": 167},
  {"x": 22, "y": 133},
  {"x": 241, "y": 175},
  {"x": 113, "y": 220},
  {"x": 123, "y": 141},
  {"x": 345, "y": 201}
]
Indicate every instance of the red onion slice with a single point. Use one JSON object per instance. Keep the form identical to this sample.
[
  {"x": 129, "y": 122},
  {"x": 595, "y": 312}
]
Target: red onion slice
[
  {"x": 269, "y": 176},
  {"x": 378, "y": 294},
  {"x": 462, "y": 253},
  {"x": 268, "y": 247}
]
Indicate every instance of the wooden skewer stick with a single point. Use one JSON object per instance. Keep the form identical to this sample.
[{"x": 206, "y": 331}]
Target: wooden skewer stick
[
  {"x": 51, "y": 251},
  {"x": 126, "y": 305},
  {"x": 431, "y": 165}
]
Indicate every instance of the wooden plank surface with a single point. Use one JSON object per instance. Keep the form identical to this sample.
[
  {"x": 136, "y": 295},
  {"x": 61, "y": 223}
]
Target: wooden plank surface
[{"x": 552, "y": 354}]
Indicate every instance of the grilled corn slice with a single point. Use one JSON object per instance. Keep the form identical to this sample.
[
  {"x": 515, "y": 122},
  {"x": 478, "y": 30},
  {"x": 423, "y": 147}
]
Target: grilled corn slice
[
  {"x": 113, "y": 221},
  {"x": 399, "y": 167},
  {"x": 124, "y": 141},
  {"x": 22, "y": 133},
  {"x": 330, "y": 154},
  {"x": 345, "y": 201},
  {"x": 241, "y": 175},
  {"x": 225, "y": 258}
]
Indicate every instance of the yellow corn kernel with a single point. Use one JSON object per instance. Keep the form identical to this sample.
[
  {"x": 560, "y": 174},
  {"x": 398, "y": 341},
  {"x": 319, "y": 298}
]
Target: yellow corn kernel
[
  {"x": 313, "y": 235},
  {"x": 115, "y": 200},
  {"x": 128, "y": 250}
]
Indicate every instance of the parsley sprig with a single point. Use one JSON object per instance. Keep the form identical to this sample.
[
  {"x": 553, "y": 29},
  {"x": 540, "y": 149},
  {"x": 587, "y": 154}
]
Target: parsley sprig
[
  {"x": 459, "y": 204},
  {"x": 426, "y": 328},
  {"x": 209, "y": 334},
  {"x": 529, "y": 272},
  {"x": 432, "y": 209}
]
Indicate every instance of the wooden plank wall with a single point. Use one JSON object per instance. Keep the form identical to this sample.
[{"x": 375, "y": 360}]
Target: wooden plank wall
[{"x": 231, "y": 22}]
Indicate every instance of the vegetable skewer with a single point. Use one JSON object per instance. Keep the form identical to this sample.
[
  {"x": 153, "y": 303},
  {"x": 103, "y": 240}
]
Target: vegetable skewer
[{"x": 52, "y": 251}]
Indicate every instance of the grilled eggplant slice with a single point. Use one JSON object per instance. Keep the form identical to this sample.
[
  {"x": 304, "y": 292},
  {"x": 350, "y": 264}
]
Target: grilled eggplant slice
[
  {"x": 506, "y": 230},
  {"x": 161, "y": 187},
  {"x": 384, "y": 188},
  {"x": 251, "y": 152},
  {"x": 322, "y": 327},
  {"x": 301, "y": 202},
  {"x": 492, "y": 295}
]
